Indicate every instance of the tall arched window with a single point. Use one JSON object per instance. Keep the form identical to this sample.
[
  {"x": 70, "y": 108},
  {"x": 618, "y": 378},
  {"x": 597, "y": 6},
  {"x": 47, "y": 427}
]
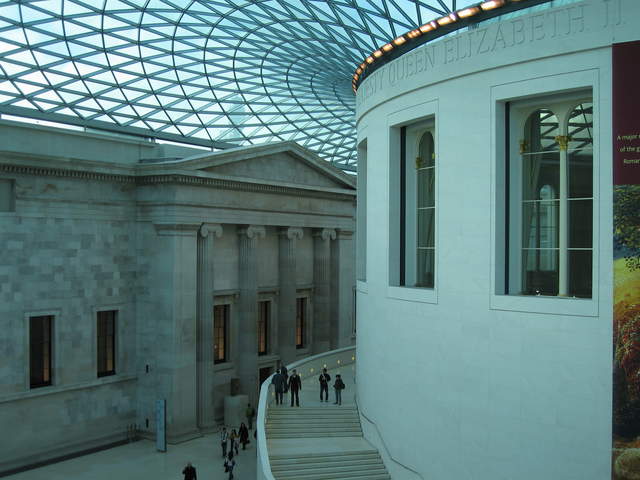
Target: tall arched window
[
  {"x": 426, "y": 211},
  {"x": 551, "y": 178}
]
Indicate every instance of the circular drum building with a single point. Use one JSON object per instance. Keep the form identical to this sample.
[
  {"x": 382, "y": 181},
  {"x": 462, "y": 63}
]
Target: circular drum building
[{"x": 499, "y": 279}]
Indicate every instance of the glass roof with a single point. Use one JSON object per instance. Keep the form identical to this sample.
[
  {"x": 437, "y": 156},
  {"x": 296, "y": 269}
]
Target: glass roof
[{"x": 219, "y": 72}]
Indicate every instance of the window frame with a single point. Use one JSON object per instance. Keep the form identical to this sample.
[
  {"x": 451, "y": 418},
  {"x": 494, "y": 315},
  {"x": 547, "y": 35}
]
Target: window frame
[
  {"x": 112, "y": 345},
  {"x": 264, "y": 307},
  {"x": 568, "y": 85},
  {"x": 51, "y": 350},
  {"x": 397, "y": 121},
  {"x": 302, "y": 322},
  {"x": 225, "y": 333}
]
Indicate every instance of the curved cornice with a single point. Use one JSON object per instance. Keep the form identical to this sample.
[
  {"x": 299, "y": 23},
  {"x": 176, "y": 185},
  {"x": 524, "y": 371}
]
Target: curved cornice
[{"x": 434, "y": 29}]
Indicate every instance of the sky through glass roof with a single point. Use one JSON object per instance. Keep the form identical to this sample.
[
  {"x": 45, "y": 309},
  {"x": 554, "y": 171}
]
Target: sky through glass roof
[{"x": 219, "y": 72}]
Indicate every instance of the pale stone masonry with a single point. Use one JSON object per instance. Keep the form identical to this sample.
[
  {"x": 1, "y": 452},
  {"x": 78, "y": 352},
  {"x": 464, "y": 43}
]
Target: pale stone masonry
[{"x": 160, "y": 234}]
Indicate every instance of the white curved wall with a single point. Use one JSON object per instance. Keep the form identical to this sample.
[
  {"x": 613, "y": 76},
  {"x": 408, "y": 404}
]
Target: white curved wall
[{"x": 461, "y": 382}]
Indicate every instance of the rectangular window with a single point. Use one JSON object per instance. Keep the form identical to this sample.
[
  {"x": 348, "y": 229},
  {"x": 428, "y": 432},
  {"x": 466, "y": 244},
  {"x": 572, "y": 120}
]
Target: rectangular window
[
  {"x": 40, "y": 361},
  {"x": 264, "y": 315},
  {"x": 106, "y": 343},
  {"x": 301, "y": 319},
  {"x": 220, "y": 333},
  {"x": 361, "y": 218},
  {"x": 7, "y": 195},
  {"x": 549, "y": 197},
  {"x": 417, "y": 205}
]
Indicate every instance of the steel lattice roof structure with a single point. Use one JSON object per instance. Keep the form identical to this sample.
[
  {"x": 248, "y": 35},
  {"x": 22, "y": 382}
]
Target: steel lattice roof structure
[{"x": 215, "y": 73}]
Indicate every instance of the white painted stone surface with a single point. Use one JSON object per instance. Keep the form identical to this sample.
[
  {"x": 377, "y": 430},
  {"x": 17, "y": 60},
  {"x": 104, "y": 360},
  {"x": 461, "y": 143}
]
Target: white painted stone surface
[{"x": 492, "y": 386}]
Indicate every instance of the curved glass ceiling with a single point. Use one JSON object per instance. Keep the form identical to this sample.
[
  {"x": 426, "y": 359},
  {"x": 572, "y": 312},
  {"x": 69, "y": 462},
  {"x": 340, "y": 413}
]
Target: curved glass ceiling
[{"x": 220, "y": 72}]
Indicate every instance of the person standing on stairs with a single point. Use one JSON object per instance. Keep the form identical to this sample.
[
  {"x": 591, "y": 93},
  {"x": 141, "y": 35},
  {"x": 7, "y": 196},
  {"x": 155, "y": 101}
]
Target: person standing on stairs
[
  {"x": 325, "y": 378},
  {"x": 224, "y": 440},
  {"x": 338, "y": 386},
  {"x": 295, "y": 385},
  {"x": 278, "y": 385}
]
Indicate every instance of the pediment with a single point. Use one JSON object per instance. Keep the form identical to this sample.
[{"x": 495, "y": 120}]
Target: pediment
[{"x": 284, "y": 163}]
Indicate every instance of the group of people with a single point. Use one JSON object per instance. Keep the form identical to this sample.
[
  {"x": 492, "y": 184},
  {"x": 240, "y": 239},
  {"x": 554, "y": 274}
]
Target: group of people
[
  {"x": 230, "y": 443},
  {"x": 283, "y": 383}
]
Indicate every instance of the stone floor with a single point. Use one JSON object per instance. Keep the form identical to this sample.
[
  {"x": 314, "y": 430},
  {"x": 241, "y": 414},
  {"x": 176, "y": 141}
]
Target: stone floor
[{"x": 141, "y": 461}]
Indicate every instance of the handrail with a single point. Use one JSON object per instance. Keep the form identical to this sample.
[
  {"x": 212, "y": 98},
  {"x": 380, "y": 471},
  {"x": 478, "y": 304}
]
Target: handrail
[
  {"x": 384, "y": 444},
  {"x": 333, "y": 359}
]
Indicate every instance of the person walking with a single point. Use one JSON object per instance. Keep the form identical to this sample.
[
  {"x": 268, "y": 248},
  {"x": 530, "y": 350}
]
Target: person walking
[
  {"x": 235, "y": 438},
  {"x": 250, "y": 412},
  {"x": 244, "y": 435},
  {"x": 279, "y": 385},
  {"x": 189, "y": 472},
  {"x": 295, "y": 385},
  {"x": 229, "y": 465},
  {"x": 338, "y": 387},
  {"x": 224, "y": 440},
  {"x": 325, "y": 378}
]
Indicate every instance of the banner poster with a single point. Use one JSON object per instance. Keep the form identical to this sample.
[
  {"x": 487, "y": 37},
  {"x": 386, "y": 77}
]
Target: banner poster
[{"x": 626, "y": 261}]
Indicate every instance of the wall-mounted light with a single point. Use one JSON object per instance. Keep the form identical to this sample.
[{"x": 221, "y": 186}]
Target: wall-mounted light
[
  {"x": 399, "y": 41},
  {"x": 491, "y": 4},
  {"x": 427, "y": 27},
  {"x": 468, "y": 12},
  {"x": 387, "y": 47},
  {"x": 447, "y": 20},
  {"x": 377, "y": 53}
]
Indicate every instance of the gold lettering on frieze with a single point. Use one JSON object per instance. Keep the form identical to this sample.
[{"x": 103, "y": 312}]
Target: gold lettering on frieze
[{"x": 543, "y": 26}]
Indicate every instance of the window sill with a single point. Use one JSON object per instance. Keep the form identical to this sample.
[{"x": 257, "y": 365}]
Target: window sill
[
  {"x": 302, "y": 352},
  {"x": 53, "y": 389},
  {"x": 267, "y": 359},
  {"x": 221, "y": 367},
  {"x": 582, "y": 307},
  {"x": 413, "y": 294}
]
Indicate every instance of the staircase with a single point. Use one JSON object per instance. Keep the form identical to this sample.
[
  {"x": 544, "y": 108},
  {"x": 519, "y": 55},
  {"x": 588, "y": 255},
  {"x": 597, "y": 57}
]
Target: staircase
[
  {"x": 294, "y": 422},
  {"x": 355, "y": 465},
  {"x": 317, "y": 423}
]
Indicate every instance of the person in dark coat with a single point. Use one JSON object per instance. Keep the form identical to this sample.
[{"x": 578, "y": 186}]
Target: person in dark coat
[
  {"x": 224, "y": 441},
  {"x": 285, "y": 373},
  {"x": 250, "y": 412},
  {"x": 325, "y": 378},
  {"x": 278, "y": 382},
  {"x": 295, "y": 385},
  {"x": 338, "y": 387},
  {"x": 189, "y": 472},
  {"x": 244, "y": 435},
  {"x": 229, "y": 465}
]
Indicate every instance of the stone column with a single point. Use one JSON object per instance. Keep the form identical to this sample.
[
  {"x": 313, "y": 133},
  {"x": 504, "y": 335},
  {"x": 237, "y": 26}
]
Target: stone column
[
  {"x": 342, "y": 283},
  {"x": 322, "y": 294},
  {"x": 174, "y": 326},
  {"x": 204, "y": 332},
  {"x": 287, "y": 298},
  {"x": 248, "y": 309}
]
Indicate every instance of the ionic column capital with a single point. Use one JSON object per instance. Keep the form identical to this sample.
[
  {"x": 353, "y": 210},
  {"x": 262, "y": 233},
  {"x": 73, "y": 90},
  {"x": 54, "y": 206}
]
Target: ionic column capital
[
  {"x": 291, "y": 232},
  {"x": 252, "y": 231},
  {"x": 213, "y": 228},
  {"x": 325, "y": 233}
]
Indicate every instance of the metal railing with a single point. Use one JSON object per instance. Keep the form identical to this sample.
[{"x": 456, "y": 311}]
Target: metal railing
[{"x": 333, "y": 360}]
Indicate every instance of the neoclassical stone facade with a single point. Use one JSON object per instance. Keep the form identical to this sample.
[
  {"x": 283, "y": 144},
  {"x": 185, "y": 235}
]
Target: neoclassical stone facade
[{"x": 161, "y": 237}]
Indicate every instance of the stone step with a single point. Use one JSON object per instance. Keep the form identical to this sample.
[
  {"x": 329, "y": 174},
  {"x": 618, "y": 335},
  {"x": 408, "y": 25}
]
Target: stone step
[
  {"x": 342, "y": 453},
  {"x": 310, "y": 435},
  {"x": 326, "y": 458},
  {"x": 312, "y": 422},
  {"x": 334, "y": 473},
  {"x": 327, "y": 408},
  {"x": 313, "y": 414},
  {"x": 314, "y": 428},
  {"x": 359, "y": 463}
]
